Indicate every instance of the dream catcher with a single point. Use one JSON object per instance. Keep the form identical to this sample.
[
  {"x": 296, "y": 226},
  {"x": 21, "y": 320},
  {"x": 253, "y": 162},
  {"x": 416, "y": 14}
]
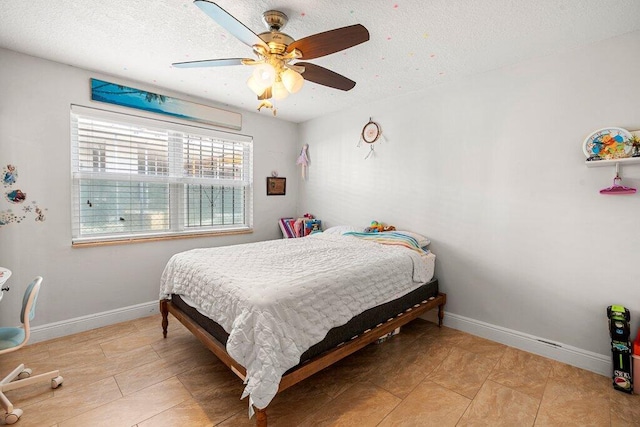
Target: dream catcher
[{"x": 371, "y": 133}]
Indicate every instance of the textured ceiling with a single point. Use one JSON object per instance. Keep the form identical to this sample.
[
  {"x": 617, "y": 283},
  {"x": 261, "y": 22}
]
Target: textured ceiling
[{"x": 414, "y": 43}]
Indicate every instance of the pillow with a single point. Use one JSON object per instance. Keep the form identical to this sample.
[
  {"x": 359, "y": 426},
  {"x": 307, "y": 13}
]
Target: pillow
[
  {"x": 422, "y": 240},
  {"x": 341, "y": 229}
]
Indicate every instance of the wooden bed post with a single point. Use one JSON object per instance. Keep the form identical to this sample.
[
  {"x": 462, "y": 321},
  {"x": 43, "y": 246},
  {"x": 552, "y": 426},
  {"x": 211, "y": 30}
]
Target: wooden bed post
[
  {"x": 261, "y": 417},
  {"x": 164, "y": 309},
  {"x": 441, "y": 310}
]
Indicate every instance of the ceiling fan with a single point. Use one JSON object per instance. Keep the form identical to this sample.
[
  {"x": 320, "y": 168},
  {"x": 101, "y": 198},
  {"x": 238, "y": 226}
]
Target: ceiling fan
[{"x": 274, "y": 75}]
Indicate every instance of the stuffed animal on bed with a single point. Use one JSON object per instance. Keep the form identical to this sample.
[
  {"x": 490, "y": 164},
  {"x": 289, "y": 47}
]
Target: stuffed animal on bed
[
  {"x": 377, "y": 227},
  {"x": 374, "y": 227}
]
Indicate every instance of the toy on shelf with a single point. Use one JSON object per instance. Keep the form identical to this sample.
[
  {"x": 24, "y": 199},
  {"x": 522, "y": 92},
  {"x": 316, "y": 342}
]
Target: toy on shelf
[
  {"x": 300, "y": 227},
  {"x": 311, "y": 226},
  {"x": 619, "y": 330}
]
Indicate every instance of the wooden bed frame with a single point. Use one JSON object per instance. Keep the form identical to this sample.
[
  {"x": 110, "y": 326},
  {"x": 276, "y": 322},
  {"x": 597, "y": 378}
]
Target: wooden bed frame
[{"x": 317, "y": 363}]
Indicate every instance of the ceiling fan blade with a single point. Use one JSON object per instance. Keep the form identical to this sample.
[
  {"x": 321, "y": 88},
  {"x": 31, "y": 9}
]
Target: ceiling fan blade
[
  {"x": 331, "y": 41},
  {"x": 229, "y": 23},
  {"x": 209, "y": 63},
  {"x": 322, "y": 76}
]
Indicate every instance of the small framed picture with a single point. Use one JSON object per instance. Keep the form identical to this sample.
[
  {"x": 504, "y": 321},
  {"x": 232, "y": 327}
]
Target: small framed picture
[{"x": 276, "y": 186}]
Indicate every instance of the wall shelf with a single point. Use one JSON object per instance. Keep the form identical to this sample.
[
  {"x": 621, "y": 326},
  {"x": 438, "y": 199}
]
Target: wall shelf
[{"x": 612, "y": 162}]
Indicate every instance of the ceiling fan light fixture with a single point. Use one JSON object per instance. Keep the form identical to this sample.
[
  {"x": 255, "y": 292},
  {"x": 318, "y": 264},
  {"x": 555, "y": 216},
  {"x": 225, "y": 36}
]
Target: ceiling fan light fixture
[
  {"x": 292, "y": 80},
  {"x": 255, "y": 86},
  {"x": 265, "y": 75},
  {"x": 265, "y": 95},
  {"x": 279, "y": 90}
]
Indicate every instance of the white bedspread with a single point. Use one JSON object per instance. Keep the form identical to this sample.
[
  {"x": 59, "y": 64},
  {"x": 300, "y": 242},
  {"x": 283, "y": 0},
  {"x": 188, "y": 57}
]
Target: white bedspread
[{"x": 278, "y": 298}]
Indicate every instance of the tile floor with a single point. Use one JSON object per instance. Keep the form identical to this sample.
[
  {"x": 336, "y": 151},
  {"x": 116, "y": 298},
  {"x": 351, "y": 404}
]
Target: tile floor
[{"x": 127, "y": 375}]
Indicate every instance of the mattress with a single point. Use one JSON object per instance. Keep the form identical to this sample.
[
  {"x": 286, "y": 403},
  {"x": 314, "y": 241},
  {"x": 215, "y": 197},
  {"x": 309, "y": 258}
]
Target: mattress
[{"x": 336, "y": 336}]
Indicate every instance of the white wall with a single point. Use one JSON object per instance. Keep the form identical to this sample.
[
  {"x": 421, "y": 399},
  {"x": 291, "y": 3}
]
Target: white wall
[
  {"x": 491, "y": 169},
  {"x": 35, "y": 136}
]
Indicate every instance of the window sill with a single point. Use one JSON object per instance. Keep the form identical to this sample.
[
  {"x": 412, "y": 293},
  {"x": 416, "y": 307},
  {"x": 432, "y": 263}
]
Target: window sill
[{"x": 145, "y": 239}]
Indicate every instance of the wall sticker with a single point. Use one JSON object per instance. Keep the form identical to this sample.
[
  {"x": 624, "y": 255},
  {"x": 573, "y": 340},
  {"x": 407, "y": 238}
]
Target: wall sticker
[
  {"x": 9, "y": 175},
  {"x": 16, "y": 196}
]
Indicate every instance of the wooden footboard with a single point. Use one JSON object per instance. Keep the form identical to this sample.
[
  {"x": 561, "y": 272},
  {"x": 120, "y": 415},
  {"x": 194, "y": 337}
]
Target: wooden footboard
[{"x": 314, "y": 365}]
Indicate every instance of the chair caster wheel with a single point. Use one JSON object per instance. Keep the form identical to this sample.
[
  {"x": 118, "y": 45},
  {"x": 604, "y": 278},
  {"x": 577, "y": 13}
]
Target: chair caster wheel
[
  {"x": 56, "y": 382},
  {"x": 26, "y": 373},
  {"x": 12, "y": 417}
]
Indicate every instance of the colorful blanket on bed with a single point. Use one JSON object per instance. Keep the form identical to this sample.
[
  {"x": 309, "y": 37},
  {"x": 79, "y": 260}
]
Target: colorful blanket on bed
[{"x": 390, "y": 238}]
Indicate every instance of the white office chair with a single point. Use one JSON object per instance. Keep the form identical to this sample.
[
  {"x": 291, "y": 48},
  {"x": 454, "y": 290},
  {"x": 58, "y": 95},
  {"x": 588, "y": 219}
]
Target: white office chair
[{"x": 11, "y": 339}]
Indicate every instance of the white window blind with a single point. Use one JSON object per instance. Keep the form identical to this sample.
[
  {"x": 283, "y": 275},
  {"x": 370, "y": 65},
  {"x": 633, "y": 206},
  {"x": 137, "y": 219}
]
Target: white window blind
[{"x": 138, "y": 177}]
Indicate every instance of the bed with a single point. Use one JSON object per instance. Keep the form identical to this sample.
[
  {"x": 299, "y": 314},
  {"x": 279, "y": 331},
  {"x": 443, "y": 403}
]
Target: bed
[{"x": 279, "y": 311}]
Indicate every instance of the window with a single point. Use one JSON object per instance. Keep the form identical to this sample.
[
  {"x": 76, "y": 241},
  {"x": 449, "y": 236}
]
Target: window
[{"x": 135, "y": 177}]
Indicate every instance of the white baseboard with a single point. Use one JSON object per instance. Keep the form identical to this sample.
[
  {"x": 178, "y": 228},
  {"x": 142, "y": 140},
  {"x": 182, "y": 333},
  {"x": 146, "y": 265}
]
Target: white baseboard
[
  {"x": 92, "y": 321},
  {"x": 594, "y": 362}
]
